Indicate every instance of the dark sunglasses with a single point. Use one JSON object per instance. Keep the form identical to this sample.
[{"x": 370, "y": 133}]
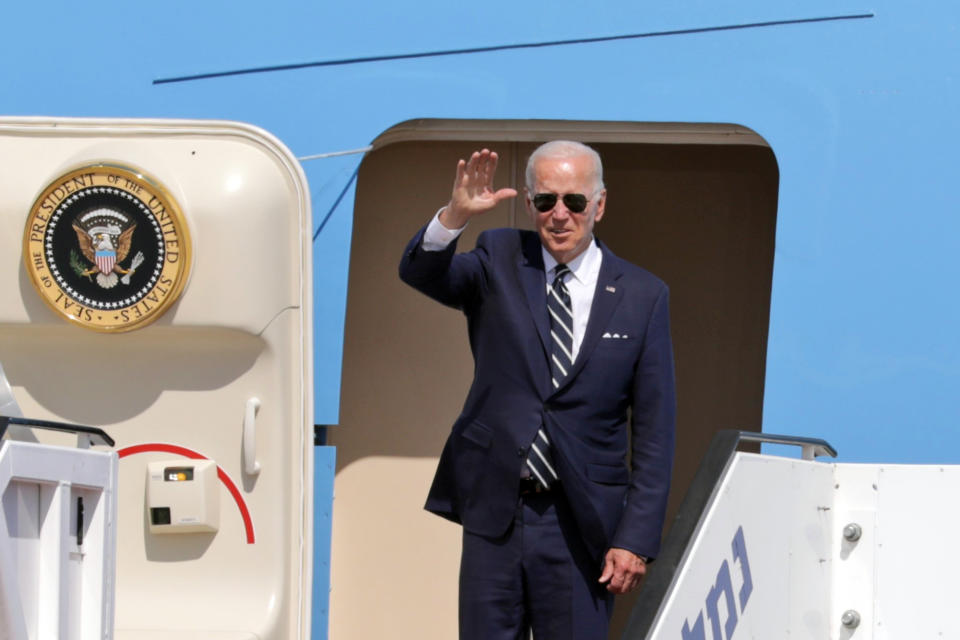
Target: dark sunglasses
[{"x": 575, "y": 202}]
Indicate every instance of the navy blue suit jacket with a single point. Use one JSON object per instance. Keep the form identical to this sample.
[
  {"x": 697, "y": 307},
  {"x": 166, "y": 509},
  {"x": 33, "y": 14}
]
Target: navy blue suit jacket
[{"x": 618, "y": 387}]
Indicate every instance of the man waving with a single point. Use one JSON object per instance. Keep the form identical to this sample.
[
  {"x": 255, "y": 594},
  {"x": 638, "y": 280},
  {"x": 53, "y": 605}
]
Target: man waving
[{"x": 573, "y": 361}]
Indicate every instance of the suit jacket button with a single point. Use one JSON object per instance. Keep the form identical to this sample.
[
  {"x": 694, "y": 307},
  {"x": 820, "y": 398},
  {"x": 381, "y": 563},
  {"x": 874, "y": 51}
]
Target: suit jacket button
[{"x": 520, "y": 452}]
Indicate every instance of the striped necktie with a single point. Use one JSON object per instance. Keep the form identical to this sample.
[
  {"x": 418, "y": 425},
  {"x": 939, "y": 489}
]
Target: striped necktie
[{"x": 540, "y": 459}]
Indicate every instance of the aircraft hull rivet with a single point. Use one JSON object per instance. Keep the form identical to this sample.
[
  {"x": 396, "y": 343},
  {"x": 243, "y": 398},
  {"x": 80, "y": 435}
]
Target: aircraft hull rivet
[
  {"x": 852, "y": 532},
  {"x": 850, "y": 619}
]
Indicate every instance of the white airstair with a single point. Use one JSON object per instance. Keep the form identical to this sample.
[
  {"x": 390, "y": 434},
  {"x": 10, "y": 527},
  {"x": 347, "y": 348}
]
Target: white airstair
[
  {"x": 58, "y": 508},
  {"x": 772, "y": 547}
]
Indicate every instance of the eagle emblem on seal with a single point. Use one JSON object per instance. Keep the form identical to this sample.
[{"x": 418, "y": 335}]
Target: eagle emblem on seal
[
  {"x": 107, "y": 247},
  {"x": 105, "y": 236}
]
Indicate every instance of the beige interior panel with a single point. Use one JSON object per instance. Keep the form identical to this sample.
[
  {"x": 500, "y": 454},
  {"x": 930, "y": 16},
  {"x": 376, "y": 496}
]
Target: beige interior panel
[
  {"x": 695, "y": 206},
  {"x": 405, "y": 373},
  {"x": 395, "y": 563}
]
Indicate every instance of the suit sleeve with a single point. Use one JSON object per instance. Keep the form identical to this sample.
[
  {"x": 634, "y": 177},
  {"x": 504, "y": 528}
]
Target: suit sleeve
[
  {"x": 653, "y": 434},
  {"x": 456, "y": 280}
]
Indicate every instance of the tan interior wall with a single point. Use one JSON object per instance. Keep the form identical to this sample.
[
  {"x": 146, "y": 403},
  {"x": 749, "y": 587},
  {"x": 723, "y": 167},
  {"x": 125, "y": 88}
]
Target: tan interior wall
[{"x": 702, "y": 217}]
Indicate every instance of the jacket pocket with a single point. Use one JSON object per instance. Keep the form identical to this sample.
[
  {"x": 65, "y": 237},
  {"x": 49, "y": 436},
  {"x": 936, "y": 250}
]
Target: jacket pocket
[
  {"x": 607, "y": 473},
  {"x": 478, "y": 433}
]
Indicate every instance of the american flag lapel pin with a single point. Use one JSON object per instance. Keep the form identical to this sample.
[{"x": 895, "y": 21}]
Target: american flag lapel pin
[{"x": 611, "y": 288}]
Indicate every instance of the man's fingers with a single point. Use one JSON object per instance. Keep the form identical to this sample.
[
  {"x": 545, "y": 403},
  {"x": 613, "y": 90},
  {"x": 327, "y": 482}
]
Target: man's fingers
[
  {"x": 632, "y": 578},
  {"x": 483, "y": 159},
  {"x": 619, "y": 584},
  {"x": 470, "y": 171},
  {"x": 474, "y": 172},
  {"x": 607, "y": 571},
  {"x": 622, "y": 571},
  {"x": 473, "y": 192},
  {"x": 481, "y": 167},
  {"x": 490, "y": 168},
  {"x": 616, "y": 582},
  {"x": 461, "y": 172}
]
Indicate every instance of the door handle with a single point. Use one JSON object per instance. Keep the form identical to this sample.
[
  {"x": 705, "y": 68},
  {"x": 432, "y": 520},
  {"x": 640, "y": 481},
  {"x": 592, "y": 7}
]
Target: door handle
[{"x": 250, "y": 465}]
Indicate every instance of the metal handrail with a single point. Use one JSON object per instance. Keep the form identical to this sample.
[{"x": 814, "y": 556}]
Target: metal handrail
[
  {"x": 93, "y": 435},
  {"x": 812, "y": 447}
]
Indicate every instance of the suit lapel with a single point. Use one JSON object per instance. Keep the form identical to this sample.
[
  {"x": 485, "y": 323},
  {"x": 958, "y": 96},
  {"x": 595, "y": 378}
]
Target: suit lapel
[
  {"x": 534, "y": 283},
  {"x": 606, "y": 297}
]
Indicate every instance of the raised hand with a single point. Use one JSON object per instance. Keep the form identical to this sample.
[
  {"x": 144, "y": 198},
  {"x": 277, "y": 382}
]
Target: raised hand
[{"x": 473, "y": 192}]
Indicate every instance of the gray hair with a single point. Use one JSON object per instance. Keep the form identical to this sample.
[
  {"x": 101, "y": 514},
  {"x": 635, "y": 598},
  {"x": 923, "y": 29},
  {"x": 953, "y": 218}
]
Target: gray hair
[{"x": 564, "y": 149}]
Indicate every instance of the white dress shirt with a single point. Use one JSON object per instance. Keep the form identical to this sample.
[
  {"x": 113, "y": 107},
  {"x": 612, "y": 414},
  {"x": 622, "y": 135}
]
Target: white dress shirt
[
  {"x": 437, "y": 237},
  {"x": 582, "y": 283}
]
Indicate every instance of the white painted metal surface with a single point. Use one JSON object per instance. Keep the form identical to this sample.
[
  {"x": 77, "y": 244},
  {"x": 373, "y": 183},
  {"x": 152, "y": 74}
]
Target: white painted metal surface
[
  {"x": 58, "y": 535},
  {"x": 775, "y": 555},
  {"x": 901, "y": 574}
]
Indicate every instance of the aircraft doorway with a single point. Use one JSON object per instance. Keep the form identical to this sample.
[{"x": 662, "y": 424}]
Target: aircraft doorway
[{"x": 693, "y": 203}]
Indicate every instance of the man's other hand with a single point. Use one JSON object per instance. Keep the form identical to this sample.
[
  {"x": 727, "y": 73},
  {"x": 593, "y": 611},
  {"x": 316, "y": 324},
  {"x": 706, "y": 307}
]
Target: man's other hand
[
  {"x": 623, "y": 571},
  {"x": 473, "y": 192}
]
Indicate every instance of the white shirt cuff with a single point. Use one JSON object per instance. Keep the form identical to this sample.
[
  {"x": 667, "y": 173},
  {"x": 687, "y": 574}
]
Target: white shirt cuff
[{"x": 437, "y": 237}]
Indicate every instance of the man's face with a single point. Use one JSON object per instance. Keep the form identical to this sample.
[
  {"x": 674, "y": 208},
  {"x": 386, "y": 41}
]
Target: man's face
[{"x": 564, "y": 233}]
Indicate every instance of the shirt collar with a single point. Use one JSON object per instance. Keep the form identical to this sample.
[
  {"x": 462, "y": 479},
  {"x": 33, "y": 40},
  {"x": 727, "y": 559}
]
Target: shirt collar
[{"x": 579, "y": 266}]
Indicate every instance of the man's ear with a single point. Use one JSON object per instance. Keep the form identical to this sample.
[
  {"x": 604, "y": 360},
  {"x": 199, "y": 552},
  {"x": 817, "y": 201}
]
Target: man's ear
[
  {"x": 601, "y": 205},
  {"x": 528, "y": 202}
]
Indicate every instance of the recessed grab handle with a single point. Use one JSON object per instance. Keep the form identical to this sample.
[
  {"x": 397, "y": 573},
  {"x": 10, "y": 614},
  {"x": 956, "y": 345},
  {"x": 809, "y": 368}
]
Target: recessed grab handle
[{"x": 250, "y": 465}]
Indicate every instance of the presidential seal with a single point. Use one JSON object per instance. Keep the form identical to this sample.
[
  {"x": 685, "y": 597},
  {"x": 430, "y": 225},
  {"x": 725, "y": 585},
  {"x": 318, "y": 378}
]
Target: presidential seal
[{"x": 107, "y": 248}]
